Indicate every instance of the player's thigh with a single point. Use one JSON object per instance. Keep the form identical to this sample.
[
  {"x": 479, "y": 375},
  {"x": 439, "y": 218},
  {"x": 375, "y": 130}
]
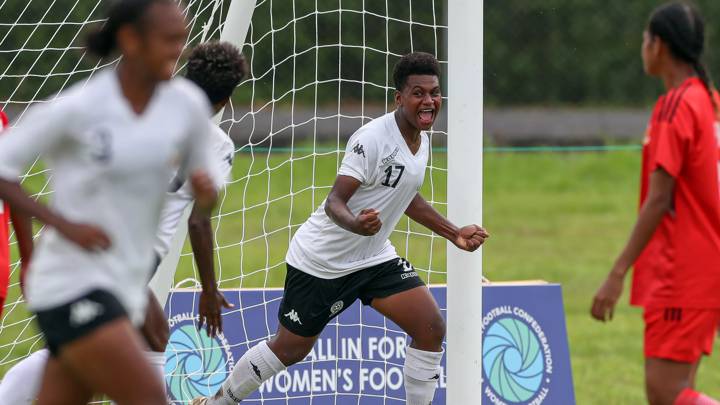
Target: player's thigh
[
  {"x": 397, "y": 292},
  {"x": 155, "y": 329},
  {"x": 418, "y": 314},
  {"x": 111, "y": 360},
  {"x": 61, "y": 387}
]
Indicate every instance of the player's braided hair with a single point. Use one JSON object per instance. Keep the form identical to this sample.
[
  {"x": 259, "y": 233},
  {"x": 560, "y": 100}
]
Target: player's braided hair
[
  {"x": 102, "y": 40},
  {"x": 217, "y": 68},
  {"x": 416, "y": 63},
  {"x": 680, "y": 25}
]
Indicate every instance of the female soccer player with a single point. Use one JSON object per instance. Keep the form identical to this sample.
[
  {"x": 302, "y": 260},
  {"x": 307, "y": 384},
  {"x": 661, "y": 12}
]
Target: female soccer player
[
  {"x": 342, "y": 252},
  {"x": 23, "y": 235},
  {"x": 113, "y": 144},
  {"x": 217, "y": 68},
  {"x": 675, "y": 245}
]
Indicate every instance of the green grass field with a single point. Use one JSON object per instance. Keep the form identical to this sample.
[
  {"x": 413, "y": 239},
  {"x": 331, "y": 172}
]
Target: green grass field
[{"x": 557, "y": 217}]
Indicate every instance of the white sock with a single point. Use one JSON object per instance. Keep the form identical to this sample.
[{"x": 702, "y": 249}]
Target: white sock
[
  {"x": 254, "y": 367},
  {"x": 21, "y": 383},
  {"x": 157, "y": 361},
  {"x": 422, "y": 373}
]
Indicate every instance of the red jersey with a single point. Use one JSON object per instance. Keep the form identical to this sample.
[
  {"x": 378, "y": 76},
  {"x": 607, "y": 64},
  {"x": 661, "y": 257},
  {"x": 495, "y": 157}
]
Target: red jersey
[
  {"x": 4, "y": 233},
  {"x": 680, "y": 266}
]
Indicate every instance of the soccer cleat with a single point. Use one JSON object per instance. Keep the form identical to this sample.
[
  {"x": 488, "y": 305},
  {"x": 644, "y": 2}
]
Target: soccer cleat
[{"x": 199, "y": 401}]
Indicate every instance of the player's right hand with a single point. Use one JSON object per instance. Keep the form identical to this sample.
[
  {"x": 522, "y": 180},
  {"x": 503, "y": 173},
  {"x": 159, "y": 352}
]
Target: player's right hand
[
  {"x": 88, "y": 237},
  {"x": 368, "y": 222}
]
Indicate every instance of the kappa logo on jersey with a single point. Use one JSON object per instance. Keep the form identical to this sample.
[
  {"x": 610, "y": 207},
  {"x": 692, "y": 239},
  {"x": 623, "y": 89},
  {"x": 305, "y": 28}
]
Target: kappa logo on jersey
[
  {"x": 84, "y": 311},
  {"x": 358, "y": 148},
  {"x": 293, "y": 316},
  {"x": 336, "y": 307}
]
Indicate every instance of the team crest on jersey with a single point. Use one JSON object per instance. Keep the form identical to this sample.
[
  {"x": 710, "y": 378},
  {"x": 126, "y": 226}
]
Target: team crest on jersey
[
  {"x": 358, "y": 148},
  {"x": 101, "y": 145}
]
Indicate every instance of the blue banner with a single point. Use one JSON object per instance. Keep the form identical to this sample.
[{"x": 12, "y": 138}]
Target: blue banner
[
  {"x": 525, "y": 350},
  {"x": 360, "y": 355}
]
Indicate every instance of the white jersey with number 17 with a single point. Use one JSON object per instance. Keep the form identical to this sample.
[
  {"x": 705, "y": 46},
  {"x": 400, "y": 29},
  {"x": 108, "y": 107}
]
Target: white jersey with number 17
[{"x": 390, "y": 175}]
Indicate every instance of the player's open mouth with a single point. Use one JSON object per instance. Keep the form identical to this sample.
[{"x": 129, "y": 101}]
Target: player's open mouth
[{"x": 425, "y": 116}]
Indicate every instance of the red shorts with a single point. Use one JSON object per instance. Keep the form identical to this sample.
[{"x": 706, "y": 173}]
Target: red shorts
[{"x": 680, "y": 334}]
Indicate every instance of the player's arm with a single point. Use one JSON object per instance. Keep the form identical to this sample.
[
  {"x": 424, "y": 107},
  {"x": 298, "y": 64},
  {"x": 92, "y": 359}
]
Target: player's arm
[
  {"x": 366, "y": 223},
  {"x": 211, "y": 299},
  {"x": 468, "y": 238},
  {"x": 656, "y": 205},
  {"x": 87, "y": 236},
  {"x": 23, "y": 233}
]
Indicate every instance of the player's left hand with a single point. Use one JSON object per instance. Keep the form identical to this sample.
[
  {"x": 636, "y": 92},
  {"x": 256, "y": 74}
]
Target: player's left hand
[
  {"x": 211, "y": 303},
  {"x": 204, "y": 190},
  {"x": 471, "y": 237},
  {"x": 606, "y": 297}
]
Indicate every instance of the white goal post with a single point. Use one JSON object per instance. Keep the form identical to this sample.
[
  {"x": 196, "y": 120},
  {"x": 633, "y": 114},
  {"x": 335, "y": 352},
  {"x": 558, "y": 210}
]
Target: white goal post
[{"x": 464, "y": 198}]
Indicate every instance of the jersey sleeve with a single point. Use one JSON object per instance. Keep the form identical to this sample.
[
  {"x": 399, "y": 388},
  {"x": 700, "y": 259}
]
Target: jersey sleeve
[
  {"x": 199, "y": 155},
  {"x": 360, "y": 158},
  {"x": 673, "y": 140},
  {"x": 41, "y": 130}
]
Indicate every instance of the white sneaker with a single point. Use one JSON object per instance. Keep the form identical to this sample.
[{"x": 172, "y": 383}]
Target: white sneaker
[{"x": 199, "y": 401}]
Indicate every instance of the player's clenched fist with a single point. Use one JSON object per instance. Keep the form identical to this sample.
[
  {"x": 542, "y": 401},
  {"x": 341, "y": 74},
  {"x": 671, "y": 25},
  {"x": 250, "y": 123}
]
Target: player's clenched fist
[
  {"x": 471, "y": 237},
  {"x": 367, "y": 222}
]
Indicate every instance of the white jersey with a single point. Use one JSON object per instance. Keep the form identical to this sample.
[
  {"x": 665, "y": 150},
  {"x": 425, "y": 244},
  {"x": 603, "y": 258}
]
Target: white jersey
[
  {"x": 391, "y": 175},
  {"x": 180, "y": 194},
  {"x": 110, "y": 168}
]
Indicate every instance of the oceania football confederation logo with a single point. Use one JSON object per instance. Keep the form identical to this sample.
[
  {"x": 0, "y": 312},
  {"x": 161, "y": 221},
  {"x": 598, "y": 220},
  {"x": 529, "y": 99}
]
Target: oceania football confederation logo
[
  {"x": 195, "y": 364},
  {"x": 517, "y": 362}
]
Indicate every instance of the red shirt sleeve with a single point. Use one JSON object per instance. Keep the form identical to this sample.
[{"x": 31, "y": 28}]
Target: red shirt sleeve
[{"x": 673, "y": 140}]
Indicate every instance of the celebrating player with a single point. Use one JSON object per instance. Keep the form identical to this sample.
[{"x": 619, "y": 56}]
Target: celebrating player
[
  {"x": 23, "y": 235},
  {"x": 113, "y": 145},
  {"x": 675, "y": 245},
  {"x": 342, "y": 252},
  {"x": 216, "y": 67}
]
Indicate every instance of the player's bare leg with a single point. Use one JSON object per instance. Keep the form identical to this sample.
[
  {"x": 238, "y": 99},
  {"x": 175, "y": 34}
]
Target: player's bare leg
[
  {"x": 59, "y": 387},
  {"x": 260, "y": 363},
  {"x": 156, "y": 332},
  {"x": 129, "y": 381},
  {"x": 670, "y": 382},
  {"x": 417, "y": 313}
]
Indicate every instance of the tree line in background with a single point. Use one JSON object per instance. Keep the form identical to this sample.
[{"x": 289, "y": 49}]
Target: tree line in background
[
  {"x": 555, "y": 52},
  {"x": 583, "y": 52}
]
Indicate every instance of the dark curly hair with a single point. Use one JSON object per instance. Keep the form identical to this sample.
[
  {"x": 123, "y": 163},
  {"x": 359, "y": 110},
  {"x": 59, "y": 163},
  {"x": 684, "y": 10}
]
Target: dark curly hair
[
  {"x": 416, "y": 63},
  {"x": 217, "y": 68}
]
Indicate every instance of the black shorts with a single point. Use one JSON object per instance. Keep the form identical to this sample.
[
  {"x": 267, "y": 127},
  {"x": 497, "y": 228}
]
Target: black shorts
[
  {"x": 78, "y": 318},
  {"x": 309, "y": 302}
]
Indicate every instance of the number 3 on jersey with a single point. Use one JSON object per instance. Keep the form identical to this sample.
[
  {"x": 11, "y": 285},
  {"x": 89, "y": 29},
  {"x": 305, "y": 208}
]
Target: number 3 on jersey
[{"x": 389, "y": 172}]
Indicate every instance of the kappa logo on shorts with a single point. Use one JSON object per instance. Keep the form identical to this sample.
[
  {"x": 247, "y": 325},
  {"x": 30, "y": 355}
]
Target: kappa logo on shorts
[
  {"x": 84, "y": 311},
  {"x": 293, "y": 316},
  {"x": 407, "y": 266},
  {"x": 336, "y": 307}
]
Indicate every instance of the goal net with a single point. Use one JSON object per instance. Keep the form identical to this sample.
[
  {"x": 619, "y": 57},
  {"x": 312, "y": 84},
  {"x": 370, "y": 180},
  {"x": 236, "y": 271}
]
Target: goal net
[{"x": 320, "y": 69}]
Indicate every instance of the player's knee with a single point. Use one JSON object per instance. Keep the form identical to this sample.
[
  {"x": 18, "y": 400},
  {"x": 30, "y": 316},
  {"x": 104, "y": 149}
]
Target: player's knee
[
  {"x": 287, "y": 352},
  {"x": 431, "y": 336}
]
